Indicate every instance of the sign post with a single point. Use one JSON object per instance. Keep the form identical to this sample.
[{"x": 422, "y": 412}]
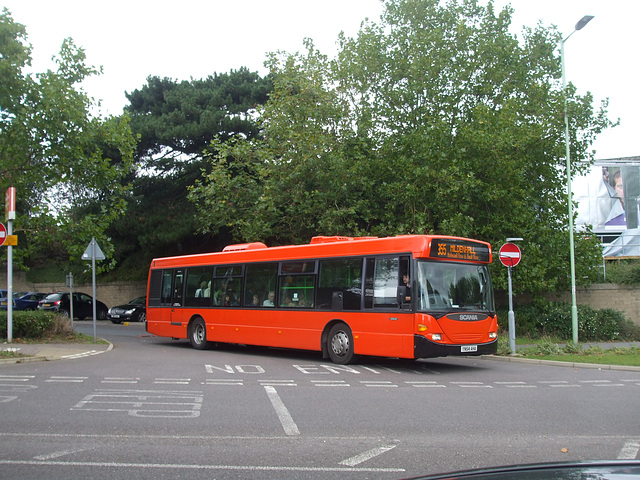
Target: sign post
[
  {"x": 6, "y": 234},
  {"x": 70, "y": 285},
  {"x": 510, "y": 256},
  {"x": 93, "y": 253}
]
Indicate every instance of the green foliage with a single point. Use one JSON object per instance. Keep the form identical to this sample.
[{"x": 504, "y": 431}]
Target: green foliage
[
  {"x": 623, "y": 272},
  {"x": 180, "y": 118},
  {"x": 549, "y": 319},
  {"x": 65, "y": 164},
  {"x": 435, "y": 120},
  {"x": 28, "y": 324},
  {"x": 175, "y": 122}
]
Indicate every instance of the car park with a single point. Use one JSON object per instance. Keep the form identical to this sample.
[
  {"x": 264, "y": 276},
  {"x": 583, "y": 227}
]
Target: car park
[
  {"x": 134, "y": 311},
  {"x": 23, "y": 300},
  {"x": 82, "y": 305}
]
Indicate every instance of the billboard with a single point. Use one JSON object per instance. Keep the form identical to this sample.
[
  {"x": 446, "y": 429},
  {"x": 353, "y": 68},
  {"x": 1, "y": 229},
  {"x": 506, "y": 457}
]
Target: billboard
[{"x": 608, "y": 195}]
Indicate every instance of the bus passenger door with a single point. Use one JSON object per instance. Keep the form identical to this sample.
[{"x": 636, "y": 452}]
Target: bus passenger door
[
  {"x": 177, "y": 300},
  {"x": 390, "y": 317},
  {"x": 164, "y": 316}
]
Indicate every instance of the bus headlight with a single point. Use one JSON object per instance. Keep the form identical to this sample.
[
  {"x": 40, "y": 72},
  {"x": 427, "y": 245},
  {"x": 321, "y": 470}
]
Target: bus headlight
[
  {"x": 436, "y": 337},
  {"x": 493, "y": 335}
]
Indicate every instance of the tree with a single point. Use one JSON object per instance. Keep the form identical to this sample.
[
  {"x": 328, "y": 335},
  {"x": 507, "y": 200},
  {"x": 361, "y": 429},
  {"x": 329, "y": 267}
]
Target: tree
[
  {"x": 175, "y": 122},
  {"x": 52, "y": 151},
  {"x": 436, "y": 119}
]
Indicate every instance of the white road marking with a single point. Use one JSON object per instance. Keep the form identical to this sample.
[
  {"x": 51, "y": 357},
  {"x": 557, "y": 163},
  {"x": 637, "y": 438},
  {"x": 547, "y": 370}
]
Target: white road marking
[
  {"x": 59, "y": 454},
  {"x": 144, "y": 403},
  {"x": 176, "y": 466},
  {"x": 278, "y": 383},
  {"x": 290, "y": 427},
  {"x": 369, "y": 454},
  {"x": 426, "y": 384},
  {"x": 56, "y": 379},
  {"x": 630, "y": 450},
  {"x": 16, "y": 378},
  {"x": 172, "y": 381},
  {"x": 373, "y": 383},
  {"x": 83, "y": 354},
  {"x": 119, "y": 380},
  {"x": 330, "y": 383}
]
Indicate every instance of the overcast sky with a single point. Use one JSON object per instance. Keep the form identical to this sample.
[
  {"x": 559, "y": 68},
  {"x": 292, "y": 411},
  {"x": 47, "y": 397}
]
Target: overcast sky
[{"x": 193, "y": 38}]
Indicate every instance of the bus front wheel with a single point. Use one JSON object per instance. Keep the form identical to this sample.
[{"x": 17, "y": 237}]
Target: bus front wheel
[
  {"x": 198, "y": 334},
  {"x": 340, "y": 344}
]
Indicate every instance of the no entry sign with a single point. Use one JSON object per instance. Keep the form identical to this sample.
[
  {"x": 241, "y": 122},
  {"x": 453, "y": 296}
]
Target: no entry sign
[
  {"x": 510, "y": 254},
  {"x": 3, "y": 234}
]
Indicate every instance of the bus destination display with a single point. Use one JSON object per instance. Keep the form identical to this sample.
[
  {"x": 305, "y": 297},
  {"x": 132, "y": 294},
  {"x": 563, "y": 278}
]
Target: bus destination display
[{"x": 459, "y": 250}]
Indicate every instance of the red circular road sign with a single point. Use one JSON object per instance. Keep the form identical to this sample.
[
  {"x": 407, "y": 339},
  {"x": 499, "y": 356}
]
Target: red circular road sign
[
  {"x": 510, "y": 254},
  {"x": 3, "y": 234}
]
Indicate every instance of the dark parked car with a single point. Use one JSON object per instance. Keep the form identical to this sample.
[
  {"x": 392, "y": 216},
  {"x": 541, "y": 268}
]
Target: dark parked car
[
  {"x": 82, "y": 305},
  {"x": 134, "y": 311},
  {"x": 23, "y": 300}
]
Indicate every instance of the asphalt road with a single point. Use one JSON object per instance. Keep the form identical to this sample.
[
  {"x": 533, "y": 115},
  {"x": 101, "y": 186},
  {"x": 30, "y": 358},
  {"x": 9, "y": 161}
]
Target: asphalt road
[{"x": 155, "y": 408}]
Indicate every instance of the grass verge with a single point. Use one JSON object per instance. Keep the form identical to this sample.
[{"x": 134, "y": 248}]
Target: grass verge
[{"x": 554, "y": 349}]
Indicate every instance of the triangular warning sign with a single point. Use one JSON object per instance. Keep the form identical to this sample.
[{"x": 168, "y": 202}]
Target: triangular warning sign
[{"x": 93, "y": 251}]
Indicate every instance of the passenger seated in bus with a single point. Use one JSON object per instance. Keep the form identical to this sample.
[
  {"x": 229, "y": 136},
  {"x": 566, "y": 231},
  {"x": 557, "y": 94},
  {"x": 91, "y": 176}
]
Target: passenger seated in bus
[
  {"x": 255, "y": 300},
  {"x": 200, "y": 292},
  {"x": 230, "y": 300},
  {"x": 270, "y": 300},
  {"x": 221, "y": 287},
  {"x": 287, "y": 302}
]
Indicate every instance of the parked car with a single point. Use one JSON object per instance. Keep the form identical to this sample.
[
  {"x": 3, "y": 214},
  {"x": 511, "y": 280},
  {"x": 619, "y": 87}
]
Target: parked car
[
  {"x": 23, "y": 300},
  {"x": 134, "y": 311},
  {"x": 82, "y": 305}
]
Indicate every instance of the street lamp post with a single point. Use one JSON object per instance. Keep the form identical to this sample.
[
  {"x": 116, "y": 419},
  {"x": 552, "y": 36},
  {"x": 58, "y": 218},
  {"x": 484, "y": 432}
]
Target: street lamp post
[{"x": 574, "y": 307}]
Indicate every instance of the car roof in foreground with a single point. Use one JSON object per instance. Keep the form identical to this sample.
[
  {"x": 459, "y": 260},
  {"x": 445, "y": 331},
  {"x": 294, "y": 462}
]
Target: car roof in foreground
[{"x": 602, "y": 470}]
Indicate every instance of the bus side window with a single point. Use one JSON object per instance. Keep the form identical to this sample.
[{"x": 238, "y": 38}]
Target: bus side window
[
  {"x": 341, "y": 278},
  {"x": 155, "y": 288},
  {"x": 167, "y": 286},
  {"x": 261, "y": 280},
  {"x": 198, "y": 291}
]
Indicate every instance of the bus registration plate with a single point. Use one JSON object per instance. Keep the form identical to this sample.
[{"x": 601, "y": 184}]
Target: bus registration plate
[{"x": 468, "y": 348}]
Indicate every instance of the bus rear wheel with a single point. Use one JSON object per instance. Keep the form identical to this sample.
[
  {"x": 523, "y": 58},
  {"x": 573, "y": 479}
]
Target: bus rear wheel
[
  {"x": 340, "y": 344},
  {"x": 198, "y": 334}
]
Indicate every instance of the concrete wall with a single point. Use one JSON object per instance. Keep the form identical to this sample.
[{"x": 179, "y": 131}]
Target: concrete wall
[
  {"x": 607, "y": 295},
  {"x": 111, "y": 294},
  {"x": 625, "y": 299}
]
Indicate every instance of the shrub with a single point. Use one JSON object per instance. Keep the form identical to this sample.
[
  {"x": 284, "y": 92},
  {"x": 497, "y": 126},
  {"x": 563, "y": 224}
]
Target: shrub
[
  {"x": 624, "y": 272},
  {"x": 31, "y": 324},
  {"x": 553, "y": 319},
  {"x": 548, "y": 348}
]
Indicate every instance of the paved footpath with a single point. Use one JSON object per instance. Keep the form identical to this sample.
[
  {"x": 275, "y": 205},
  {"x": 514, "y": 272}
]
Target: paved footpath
[{"x": 42, "y": 352}]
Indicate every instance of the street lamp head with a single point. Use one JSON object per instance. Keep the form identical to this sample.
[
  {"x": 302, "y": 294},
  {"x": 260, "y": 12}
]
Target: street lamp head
[{"x": 583, "y": 21}]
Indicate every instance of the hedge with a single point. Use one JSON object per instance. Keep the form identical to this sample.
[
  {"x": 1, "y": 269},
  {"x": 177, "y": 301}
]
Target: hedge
[
  {"x": 28, "y": 324},
  {"x": 552, "y": 319}
]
